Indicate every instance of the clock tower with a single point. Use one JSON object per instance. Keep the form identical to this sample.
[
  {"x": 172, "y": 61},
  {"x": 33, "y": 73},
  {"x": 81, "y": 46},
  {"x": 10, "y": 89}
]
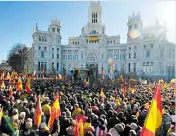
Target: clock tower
[{"x": 95, "y": 11}]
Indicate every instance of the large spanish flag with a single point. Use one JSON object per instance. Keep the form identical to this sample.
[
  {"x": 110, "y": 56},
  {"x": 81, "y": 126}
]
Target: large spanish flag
[
  {"x": 38, "y": 113},
  {"x": 28, "y": 86},
  {"x": 78, "y": 127},
  {"x": 55, "y": 112},
  {"x": 19, "y": 85},
  {"x": 154, "y": 117},
  {"x": 93, "y": 38}
]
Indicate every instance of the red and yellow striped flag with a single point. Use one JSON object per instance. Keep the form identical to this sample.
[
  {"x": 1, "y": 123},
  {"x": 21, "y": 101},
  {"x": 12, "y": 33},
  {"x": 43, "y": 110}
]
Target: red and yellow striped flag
[
  {"x": 55, "y": 112},
  {"x": 154, "y": 117},
  {"x": 2, "y": 84},
  {"x": 1, "y": 114},
  {"x": 79, "y": 127},
  {"x": 19, "y": 85},
  {"x": 38, "y": 113},
  {"x": 8, "y": 77},
  {"x": 102, "y": 92},
  {"x": 28, "y": 86},
  {"x": 2, "y": 75}
]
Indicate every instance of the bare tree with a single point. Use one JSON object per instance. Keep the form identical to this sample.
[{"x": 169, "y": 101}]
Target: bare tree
[{"x": 17, "y": 57}]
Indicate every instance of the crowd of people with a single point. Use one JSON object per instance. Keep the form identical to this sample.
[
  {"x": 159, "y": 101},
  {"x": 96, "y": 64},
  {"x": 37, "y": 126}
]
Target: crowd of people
[{"x": 116, "y": 113}]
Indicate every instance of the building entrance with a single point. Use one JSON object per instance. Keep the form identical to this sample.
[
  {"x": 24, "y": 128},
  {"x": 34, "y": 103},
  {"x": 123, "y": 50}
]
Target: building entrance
[{"x": 93, "y": 69}]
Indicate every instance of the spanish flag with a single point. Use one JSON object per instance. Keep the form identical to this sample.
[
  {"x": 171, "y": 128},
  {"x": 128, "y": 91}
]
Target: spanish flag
[
  {"x": 154, "y": 117},
  {"x": 28, "y": 86},
  {"x": 2, "y": 85},
  {"x": 1, "y": 114},
  {"x": 93, "y": 38},
  {"x": 10, "y": 92},
  {"x": 8, "y": 76},
  {"x": 2, "y": 75},
  {"x": 19, "y": 85},
  {"x": 38, "y": 113},
  {"x": 55, "y": 112},
  {"x": 102, "y": 92},
  {"x": 121, "y": 77},
  {"x": 79, "y": 128}
]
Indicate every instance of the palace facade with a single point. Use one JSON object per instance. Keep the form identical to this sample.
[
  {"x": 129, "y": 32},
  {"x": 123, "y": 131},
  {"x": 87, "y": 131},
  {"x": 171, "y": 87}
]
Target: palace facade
[{"x": 147, "y": 51}]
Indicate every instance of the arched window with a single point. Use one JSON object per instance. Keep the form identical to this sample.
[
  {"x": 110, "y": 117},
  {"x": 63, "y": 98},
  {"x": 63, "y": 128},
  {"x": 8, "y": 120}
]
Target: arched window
[{"x": 94, "y": 32}]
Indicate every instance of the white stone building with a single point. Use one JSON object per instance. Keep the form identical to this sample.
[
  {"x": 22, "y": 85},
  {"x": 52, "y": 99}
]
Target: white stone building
[{"x": 147, "y": 51}]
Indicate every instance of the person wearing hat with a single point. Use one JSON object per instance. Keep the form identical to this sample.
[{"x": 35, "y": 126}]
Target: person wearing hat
[
  {"x": 44, "y": 130},
  {"x": 116, "y": 130}
]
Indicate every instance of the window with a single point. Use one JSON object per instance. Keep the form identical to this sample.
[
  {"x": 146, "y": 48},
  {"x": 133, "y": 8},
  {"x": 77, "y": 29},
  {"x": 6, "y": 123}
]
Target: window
[
  {"x": 52, "y": 55},
  {"x": 39, "y": 38},
  {"x": 57, "y": 66},
  {"x": 57, "y": 56},
  {"x": 42, "y": 54},
  {"x": 45, "y": 48},
  {"x": 134, "y": 55},
  {"x": 129, "y": 67},
  {"x": 53, "y": 30},
  {"x": 42, "y": 66},
  {"x": 135, "y": 50},
  {"x": 45, "y": 40},
  {"x": 102, "y": 56},
  {"x": 52, "y": 49},
  {"x": 151, "y": 67},
  {"x": 38, "y": 66},
  {"x": 82, "y": 56},
  {"x": 144, "y": 67},
  {"x": 148, "y": 68},
  {"x": 114, "y": 42},
  {"x": 57, "y": 49},
  {"x": 94, "y": 32},
  {"x": 134, "y": 67},
  {"x": 129, "y": 55},
  {"x": 144, "y": 46},
  {"x": 42, "y": 39},
  {"x": 151, "y": 45},
  {"x": 148, "y": 54},
  {"x": 39, "y": 47},
  {"x": 45, "y": 66},
  {"x": 57, "y": 30},
  {"x": 52, "y": 65}
]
